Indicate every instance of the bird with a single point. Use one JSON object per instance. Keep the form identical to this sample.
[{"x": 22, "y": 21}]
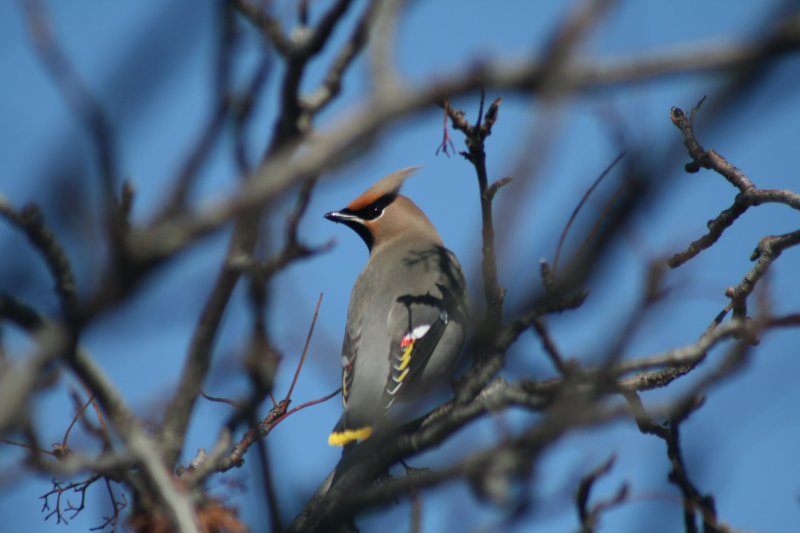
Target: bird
[{"x": 407, "y": 315}]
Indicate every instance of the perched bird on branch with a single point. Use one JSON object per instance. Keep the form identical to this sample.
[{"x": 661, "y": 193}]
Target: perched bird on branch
[{"x": 408, "y": 309}]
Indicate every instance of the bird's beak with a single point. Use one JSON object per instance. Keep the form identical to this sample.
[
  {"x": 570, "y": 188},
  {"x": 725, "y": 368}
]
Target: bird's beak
[{"x": 340, "y": 217}]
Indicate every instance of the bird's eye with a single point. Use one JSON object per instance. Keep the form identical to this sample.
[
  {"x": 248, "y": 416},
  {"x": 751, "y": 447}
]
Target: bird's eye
[{"x": 375, "y": 209}]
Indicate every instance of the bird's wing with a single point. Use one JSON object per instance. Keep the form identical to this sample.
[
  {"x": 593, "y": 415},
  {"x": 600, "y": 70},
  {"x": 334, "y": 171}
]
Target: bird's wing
[
  {"x": 416, "y": 325},
  {"x": 349, "y": 352}
]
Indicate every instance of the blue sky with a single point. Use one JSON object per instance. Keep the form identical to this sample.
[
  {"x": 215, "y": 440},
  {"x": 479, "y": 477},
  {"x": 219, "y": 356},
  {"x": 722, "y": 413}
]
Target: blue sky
[{"x": 151, "y": 65}]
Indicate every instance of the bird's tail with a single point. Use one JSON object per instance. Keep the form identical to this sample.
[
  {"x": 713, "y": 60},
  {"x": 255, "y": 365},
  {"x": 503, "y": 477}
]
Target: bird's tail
[{"x": 345, "y": 433}]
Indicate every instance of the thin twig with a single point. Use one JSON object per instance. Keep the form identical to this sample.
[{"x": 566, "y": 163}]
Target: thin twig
[
  {"x": 767, "y": 251},
  {"x": 550, "y": 347},
  {"x": 331, "y": 85},
  {"x": 27, "y": 447},
  {"x": 305, "y": 350},
  {"x": 218, "y": 399},
  {"x": 276, "y": 415},
  {"x": 98, "y": 413},
  {"x": 31, "y": 222},
  {"x": 693, "y": 500},
  {"x": 590, "y": 517},
  {"x": 75, "y": 418},
  {"x": 578, "y": 208}
]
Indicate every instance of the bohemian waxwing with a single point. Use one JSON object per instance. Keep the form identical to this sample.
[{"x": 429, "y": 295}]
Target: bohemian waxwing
[{"x": 408, "y": 309}]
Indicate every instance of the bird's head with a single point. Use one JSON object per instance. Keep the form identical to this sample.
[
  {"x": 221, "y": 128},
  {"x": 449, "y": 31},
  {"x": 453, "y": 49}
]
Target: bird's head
[{"x": 381, "y": 214}]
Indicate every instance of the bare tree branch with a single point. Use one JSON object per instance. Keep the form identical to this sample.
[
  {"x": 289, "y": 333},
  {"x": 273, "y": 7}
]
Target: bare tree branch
[
  {"x": 31, "y": 222},
  {"x": 590, "y": 517},
  {"x": 327, "y": 150},
  {"x": 748, "y": 196},
  {"x": 266, "y": 23}
]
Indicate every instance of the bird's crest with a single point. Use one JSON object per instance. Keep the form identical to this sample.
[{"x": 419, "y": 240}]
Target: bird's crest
[{"x": 387, "y": 185}]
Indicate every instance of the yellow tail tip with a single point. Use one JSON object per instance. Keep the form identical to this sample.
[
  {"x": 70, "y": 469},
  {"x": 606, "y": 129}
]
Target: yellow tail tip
[{"x": 342, "y": 438}]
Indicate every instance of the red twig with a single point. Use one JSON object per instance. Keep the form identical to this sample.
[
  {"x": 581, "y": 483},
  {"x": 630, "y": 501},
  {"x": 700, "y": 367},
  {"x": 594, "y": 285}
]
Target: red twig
[
  {"x": 447, "y": 142},
  {"x": 305, "y": 349},
  {"x": 98, "y": 412},
  {"x": 75, "y": 419},
  {"x": 27, "y": 447},
  {"x": 281, "y": 406},
  {"x": 279, "y": 413},
  {"x": 301, "y": 407}
]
